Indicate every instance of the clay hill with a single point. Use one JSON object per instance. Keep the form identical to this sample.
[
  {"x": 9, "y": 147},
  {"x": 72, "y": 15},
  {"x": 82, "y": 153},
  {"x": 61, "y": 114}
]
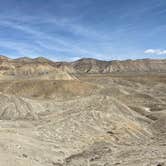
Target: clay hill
[
  {"x": 97, "y": 66},
  {"x": 46, "y": 69},
  {"x": 27, "y": 68},
  {"x": 83, "y": 113}
]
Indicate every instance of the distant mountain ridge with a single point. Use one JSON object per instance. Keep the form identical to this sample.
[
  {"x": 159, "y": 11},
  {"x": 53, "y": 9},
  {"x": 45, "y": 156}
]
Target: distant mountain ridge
[
  {"x": 88, "y": 65},
  {"x": 84, "y": 65}
]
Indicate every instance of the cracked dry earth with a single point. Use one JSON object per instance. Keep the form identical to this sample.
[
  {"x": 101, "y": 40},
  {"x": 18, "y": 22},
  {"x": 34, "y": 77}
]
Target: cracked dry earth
[{"x": 97, "y": 120}]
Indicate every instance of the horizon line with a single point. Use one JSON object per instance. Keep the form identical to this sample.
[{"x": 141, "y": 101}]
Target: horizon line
[{"x": 81, "y": 58}]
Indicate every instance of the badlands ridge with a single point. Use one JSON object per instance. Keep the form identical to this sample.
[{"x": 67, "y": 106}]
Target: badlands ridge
[{"x": 83, "y": 113}]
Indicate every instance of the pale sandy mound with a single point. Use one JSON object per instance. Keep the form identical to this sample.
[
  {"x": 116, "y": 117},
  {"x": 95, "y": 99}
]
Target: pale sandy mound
[
  {"x": 72, "y": 132},
  {"x": 12, "y": 108}
]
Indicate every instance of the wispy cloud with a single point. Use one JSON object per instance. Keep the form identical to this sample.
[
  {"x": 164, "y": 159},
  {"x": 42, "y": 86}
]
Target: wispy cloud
[
  {"x": 23, "y": 49},
  {"x": 67, "y": 30},
  {"x": 155, "y": 51},
  {"x": 44, "y": 40}
]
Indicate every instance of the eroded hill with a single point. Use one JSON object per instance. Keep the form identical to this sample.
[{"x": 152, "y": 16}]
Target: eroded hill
[
  {"x": 108, "y": 119},
  {"x": 27, "y": 67}
]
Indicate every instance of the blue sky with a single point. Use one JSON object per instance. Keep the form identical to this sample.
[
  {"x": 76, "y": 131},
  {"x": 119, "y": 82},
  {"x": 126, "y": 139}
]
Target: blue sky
[{"x": 73, "y": 29}]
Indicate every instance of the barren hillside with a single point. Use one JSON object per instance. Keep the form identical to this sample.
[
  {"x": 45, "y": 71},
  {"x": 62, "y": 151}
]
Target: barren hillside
[
  {"x": 27, "y": 68},
  {"x": 39, "y": 66},
  {"x": 98, "y": 66},
  {"x": 95, "y": 116}
]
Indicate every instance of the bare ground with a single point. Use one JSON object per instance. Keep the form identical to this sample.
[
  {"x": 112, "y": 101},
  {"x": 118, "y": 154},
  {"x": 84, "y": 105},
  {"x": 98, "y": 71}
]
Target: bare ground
[{"x": 97, "y": 120}]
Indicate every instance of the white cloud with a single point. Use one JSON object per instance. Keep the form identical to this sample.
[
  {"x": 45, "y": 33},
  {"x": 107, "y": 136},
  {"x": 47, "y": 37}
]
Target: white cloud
[{"x": 155, "y": 51}]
